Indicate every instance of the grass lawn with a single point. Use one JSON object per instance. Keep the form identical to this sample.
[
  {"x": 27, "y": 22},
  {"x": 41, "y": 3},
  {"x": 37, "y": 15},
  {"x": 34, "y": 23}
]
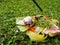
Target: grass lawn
[{"x": 11, "y": 9}]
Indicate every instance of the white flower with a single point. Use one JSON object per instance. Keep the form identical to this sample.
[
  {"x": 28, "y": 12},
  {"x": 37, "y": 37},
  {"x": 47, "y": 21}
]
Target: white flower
[{"x": 28, "y": 20}]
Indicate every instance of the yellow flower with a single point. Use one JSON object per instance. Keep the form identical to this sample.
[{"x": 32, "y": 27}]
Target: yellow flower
[
  {"x": 55, "y": 21},
  {"x": 36, "y": 37}
]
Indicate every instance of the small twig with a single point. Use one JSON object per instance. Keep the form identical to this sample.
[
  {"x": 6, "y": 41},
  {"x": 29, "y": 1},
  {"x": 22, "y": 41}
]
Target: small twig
[{"x": 38, "y": 5}]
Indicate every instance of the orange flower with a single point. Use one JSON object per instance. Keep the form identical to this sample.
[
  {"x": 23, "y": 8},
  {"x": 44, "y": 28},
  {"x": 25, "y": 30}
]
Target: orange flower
[{"x": 32, "y": 29}]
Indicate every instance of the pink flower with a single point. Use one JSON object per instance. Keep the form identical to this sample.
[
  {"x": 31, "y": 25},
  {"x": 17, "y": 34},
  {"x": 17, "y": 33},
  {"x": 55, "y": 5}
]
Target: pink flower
[{"x": 53, "y": 30}]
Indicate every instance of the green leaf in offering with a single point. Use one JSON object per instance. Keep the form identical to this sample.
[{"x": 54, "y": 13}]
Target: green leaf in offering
[{"x": 44, "y": 23}]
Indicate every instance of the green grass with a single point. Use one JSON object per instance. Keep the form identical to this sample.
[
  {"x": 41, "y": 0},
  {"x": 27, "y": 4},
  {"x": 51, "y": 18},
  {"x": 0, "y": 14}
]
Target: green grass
[{"x": 11, "y": 9}]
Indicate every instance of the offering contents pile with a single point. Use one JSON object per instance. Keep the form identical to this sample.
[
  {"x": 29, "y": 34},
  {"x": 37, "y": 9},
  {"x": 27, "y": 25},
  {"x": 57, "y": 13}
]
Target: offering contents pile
[{"x": 39, "y": 27}]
